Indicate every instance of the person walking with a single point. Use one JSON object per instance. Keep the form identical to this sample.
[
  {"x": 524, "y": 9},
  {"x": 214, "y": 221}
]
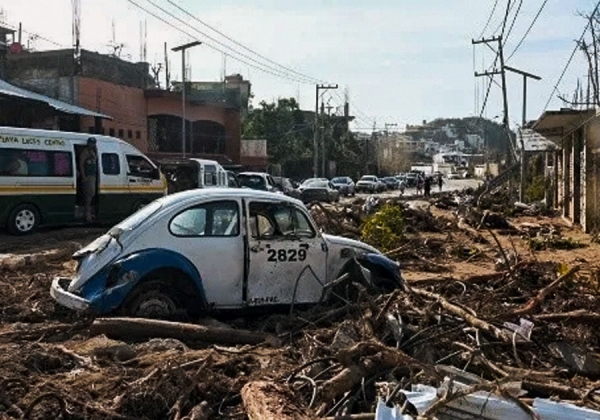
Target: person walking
[
  {"x": 427, "y": 186},
  {"x": 440, "y": 181},
  {"x": 88, "y": 171},
  {"x": 419, "y": 185}
]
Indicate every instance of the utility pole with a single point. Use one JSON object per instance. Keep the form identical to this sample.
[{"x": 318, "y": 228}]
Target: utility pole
[
  {"x": 386, "y": 125},
  {"x": 523, "y": 122},
  {"x": 316, "y": 130},
  {"x": 183, "y": 48}
]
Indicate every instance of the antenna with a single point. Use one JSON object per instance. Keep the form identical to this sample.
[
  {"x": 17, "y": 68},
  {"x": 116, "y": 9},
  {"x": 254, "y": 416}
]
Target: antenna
[{"x": 76, "y": 34}]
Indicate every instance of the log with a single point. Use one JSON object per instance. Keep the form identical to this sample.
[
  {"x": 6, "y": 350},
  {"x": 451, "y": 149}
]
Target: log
[
  {"x": 469, "y": 318},
  {"x": 265, "y": 400},
  {"x": 141, "y": 328}
]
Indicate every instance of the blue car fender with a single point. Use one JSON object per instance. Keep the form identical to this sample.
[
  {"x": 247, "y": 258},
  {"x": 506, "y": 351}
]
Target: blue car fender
[
  {"x": 383, "y": 264},
  {"x": 124, "y": 274}
]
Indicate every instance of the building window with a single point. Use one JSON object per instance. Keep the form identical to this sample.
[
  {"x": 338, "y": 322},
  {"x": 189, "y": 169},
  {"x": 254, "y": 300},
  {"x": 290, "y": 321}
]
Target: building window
[
  {"x": 121, "y": 133},
  {"x": 110, "y": 164},
  {"x": 111, "y": 132},
  {"x": 138, "y": 134},
  {"x": 91, "y": 130},
  {"x": 129, "y": 134}
]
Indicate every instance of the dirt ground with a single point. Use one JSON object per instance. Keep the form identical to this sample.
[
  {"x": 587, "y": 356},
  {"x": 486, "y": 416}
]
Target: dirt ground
[{"x": 52, "y": 366}]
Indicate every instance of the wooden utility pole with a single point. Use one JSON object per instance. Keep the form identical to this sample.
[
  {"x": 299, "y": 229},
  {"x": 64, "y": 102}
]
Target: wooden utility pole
[{"x": 316, "y": 130}]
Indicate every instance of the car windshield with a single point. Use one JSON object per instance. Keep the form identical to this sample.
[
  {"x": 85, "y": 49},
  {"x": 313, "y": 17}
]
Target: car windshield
[
  {"x": 317, "y": 184},
  {"x": 254, "y": 182},
  {"x": 368, "y": 178},
  {"x": 310, "y": 180},
  {"x": 339, "y": 180},
  {"x": 138, "y": 217}
]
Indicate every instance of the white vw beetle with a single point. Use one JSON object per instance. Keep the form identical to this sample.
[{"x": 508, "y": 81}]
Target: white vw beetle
[{"x": 213, "y": 248}]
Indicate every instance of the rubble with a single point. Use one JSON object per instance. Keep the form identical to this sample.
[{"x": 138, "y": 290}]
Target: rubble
[{"x": 524, "y": 338}]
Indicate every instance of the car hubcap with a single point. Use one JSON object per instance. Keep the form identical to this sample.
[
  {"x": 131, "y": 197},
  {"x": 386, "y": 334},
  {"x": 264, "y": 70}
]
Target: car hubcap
[
  {"x": 155, "y": 308},
  {"x": 25, "y": 220}
]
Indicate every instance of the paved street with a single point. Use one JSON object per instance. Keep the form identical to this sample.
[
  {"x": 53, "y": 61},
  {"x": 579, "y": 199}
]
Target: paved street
[{"x": 449, "y": 185}]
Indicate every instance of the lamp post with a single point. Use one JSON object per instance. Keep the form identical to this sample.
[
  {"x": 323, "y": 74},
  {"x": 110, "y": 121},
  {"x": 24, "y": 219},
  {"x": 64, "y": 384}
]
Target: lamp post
[{"x": 182, "y": 48}]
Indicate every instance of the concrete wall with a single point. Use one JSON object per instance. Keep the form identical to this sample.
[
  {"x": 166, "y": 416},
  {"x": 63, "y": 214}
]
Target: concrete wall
[{"x": 254, "y": 148}]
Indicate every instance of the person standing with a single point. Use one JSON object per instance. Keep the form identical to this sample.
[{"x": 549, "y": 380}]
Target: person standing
[
  {"x": 427, "y": 186},
  {"x": 440, "y": 181},
  {"x": 88, "y": 170}
]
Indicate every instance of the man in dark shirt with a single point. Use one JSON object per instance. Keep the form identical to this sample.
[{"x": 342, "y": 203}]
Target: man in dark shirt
[{"x": 88, "y": 170}]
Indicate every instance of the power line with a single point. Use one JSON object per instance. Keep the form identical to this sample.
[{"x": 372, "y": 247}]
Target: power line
[
  {"x": 528, "y": 29},
  {"x": 34, "y": 34},
  {"x": 258, "y": 67},
  {"x": 513, "y": 21},
  {"x": 508, "y": 9},
  {"x": 241, "y": 45},
  {"x": 489, "y": 19},
  {"x": 571, "y": 57}
]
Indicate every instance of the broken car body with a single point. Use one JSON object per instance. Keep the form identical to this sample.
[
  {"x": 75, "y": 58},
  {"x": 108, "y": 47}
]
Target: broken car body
[{"x": 213, "y": 248}]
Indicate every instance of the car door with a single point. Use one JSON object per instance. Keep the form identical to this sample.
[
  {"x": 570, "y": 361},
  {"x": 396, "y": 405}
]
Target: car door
[
  {"x": 287, "y": 257},
  {"x": 209, "y": 235}
]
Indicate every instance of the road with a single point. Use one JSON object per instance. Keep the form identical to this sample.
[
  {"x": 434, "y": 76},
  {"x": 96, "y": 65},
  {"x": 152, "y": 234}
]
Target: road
[{"x": 449, "y": 185}]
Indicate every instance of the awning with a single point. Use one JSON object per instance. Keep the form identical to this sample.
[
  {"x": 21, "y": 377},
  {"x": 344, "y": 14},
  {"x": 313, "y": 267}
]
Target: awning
[{"x": 6, "y": 89}]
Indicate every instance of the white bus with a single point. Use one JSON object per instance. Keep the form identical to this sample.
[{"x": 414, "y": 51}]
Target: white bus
[{"x": 40, "y": 180}]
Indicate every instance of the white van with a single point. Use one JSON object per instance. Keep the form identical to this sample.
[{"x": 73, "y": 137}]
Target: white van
[
  {"x": 191, "y": 173},
  {"x": 40, "y": 182}
]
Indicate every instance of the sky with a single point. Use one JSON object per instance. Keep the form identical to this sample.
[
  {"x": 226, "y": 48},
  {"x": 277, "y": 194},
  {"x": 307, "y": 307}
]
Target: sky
[{"x": 398, "y": 61}]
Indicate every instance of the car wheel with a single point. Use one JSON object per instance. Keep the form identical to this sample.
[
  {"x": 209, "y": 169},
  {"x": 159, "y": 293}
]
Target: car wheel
[
  {"x": 151, "y": 300},
  {"x": 24, "y": 219}
]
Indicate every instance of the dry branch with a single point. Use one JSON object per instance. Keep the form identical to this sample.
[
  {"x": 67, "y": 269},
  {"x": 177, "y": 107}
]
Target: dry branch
[
  {"x": 148, "y": 328},
  {"x": 269, "y": 401}
]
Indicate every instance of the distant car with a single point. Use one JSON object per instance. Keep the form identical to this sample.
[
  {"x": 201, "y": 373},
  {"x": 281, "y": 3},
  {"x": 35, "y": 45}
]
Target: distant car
[
  {"x": 257, "y": 181},
  {"x": 411, "y": 180},
  {"x": 308, "y": 181},
  {"x": 369, "y": 184},
  {"x": 344, "y": 185},
  {"x": 286, "y": 186},
  {"x": 320, "y": 191},
  {"x": 212, "y": 249},
  {"x": 390, "y": 182},
  {"x": 454, "y": 175}
]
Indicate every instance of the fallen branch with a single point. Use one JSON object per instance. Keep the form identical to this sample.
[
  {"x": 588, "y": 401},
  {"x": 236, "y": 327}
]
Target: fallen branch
[
  {"x": 550, "y": 389},
  {"x": 539, "y": 298},
  {"x": 148, "y": 328},
  {"x": 469, "y": 318},
  {"x": 580, "y": 315}
]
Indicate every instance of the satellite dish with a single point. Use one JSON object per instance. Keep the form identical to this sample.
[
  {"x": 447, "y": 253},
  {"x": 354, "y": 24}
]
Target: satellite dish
[{"x": 15, "y": 48}]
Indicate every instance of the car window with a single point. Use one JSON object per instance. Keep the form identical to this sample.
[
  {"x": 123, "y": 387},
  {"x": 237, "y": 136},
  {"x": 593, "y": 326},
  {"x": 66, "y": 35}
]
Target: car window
[
  {"x": 212, "y": 219},
  {"x": 254, "y": 182},
  {"x": 278, "y": 220},
  {"x": 140, "y": 166}
]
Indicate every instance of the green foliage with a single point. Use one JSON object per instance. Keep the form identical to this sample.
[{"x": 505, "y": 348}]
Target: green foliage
[
  {"x": 536, "y": 190},
  {"x": 384, "y": 229},
  {"x": 554, "y": 242}
]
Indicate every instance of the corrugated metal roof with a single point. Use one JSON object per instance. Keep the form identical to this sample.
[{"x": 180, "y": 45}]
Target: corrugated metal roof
[
  {"x": 533, "y": 141},
  {"x": 7, "y": 89}
]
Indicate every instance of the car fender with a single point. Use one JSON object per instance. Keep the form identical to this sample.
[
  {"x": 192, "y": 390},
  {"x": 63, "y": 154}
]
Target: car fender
[{"x": 121, "y": 276}]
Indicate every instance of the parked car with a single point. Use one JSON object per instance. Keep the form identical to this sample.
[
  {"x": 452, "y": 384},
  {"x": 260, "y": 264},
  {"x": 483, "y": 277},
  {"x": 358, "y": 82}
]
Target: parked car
[
  {"x": 232, "y": 180},
  {"x": 320, "y": 191},
  {"x": 214, "y": 248},
  {"x": 257, "y": 181},
  {"x": 454, "y": 175},
  {"x": 344, "y": 185},
  {"x": 411, "y": 179},
  {"x": 369, "y": 184},
  {"x": 391, "y": 183},
  {"x": 287, "y": 186},
  {"x": 308, "y": 181}
]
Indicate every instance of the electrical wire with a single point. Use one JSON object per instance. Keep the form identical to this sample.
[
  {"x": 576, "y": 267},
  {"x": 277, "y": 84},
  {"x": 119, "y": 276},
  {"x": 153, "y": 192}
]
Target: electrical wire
[
  {"x": 512, "y": 25},
  {"x": 489, "y": 19},
  {"x": 508, "y": 9},
  {"x": 528, "y": 29},
  {"x": 33, "y": 34},
  {"x": 301, "y": 79},
  {"x": 570, "y": 57},
  {"x": 265, "y": 70},
  {"x": 241, "y": 45}
]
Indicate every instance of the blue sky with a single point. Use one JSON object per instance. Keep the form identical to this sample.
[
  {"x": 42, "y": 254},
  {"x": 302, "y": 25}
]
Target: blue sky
[{"x": 402, "y": 61}]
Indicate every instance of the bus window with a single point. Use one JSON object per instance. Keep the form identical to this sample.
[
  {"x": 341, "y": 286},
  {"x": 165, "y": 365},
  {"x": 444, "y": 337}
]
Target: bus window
[
  {"x": 110, "y": 164},
  {"x": 35, "y": 163}
]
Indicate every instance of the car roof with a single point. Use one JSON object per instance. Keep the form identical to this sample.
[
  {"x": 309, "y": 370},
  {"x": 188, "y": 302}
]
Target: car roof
[
  {"x": 254, "y": 173},
  {"x": 224, "y": 193}
]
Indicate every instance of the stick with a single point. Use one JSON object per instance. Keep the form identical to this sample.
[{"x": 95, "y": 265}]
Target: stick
[
  {"x": 506, "y": 261},
  {"x": 149, "y": 328},
  {"x": 580, "y": 315},
  {"x": 539, "y": 298}
]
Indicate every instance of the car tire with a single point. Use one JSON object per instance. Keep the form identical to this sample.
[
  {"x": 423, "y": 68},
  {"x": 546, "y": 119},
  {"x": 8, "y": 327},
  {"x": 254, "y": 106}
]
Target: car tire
[
  {"x": 151, "y": 299},
  {"x": 23, "y": 220}
]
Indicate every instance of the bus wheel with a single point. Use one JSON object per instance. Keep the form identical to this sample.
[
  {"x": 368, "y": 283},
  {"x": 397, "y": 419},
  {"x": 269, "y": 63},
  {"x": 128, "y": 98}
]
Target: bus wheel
[{"x": 23, "y": 219}]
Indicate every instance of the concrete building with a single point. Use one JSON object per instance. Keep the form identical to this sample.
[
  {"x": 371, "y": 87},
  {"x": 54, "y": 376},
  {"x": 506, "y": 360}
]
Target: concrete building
[
  {"x": 575, "y": 187},
  {"x": 147, "y": 117}
]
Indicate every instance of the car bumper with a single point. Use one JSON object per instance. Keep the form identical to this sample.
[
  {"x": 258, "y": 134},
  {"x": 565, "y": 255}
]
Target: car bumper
[{"x": 59, "y": 293}]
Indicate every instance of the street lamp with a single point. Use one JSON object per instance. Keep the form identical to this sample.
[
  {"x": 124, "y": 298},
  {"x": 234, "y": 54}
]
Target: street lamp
[{"x": 182, "y": 48}]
